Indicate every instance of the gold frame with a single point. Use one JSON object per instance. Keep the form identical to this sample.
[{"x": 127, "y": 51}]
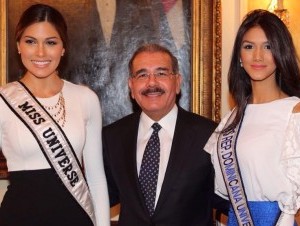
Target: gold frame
[
  {"x": 3, "y": 57},
  {"x": 3, "y": 53},
  {"x": 206, "y": 56}
]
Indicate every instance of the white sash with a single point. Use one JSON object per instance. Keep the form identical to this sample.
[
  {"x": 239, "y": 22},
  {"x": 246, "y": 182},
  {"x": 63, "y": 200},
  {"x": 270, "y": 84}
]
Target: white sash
[
  {"x": 231, "y": 173},
  {"x": 52, "y": 141}
]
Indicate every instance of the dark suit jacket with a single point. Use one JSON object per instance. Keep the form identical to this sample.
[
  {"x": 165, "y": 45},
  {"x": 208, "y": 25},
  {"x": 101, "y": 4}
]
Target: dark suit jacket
[{"x": 187, "y": 192}]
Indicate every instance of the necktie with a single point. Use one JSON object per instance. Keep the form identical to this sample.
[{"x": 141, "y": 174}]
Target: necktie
[{"x": 149, "y": 169}]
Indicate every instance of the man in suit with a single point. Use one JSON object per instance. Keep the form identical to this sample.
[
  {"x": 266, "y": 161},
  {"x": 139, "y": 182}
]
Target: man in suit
[{"x": 184, "y": 187}]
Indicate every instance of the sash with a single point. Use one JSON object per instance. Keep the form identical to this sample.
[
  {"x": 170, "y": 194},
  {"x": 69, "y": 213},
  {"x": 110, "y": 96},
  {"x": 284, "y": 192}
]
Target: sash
[
  {"x": 231, "y": 172},
  {"x": 52, "y": 140}
]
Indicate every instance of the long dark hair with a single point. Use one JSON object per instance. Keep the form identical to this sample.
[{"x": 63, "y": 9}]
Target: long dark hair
[{"x": 284, "y": 54}]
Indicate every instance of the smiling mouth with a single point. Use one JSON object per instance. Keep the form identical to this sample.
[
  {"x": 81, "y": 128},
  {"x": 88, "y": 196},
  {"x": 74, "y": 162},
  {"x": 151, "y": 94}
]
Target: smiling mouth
[
  {"x": 40, "y": 63},
  {"x": 258, "y": 66}
]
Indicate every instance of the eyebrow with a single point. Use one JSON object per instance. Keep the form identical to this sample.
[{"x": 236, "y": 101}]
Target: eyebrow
[
  {"x": 156, "y": 69},
  {"x": 266, "y": 42},
  {"x": 54, "y": 37},
  {"x": 162, "y": 69}
]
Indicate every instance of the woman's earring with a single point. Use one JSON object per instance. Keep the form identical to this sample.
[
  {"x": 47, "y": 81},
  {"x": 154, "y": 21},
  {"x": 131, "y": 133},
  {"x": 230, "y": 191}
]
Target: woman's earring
[{"x": 241, "y": 63}]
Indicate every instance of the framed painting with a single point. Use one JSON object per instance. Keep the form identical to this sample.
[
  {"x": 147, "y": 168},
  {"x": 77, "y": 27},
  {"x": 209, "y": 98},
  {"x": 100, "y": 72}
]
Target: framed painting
[{"x": 103, "y": 34}]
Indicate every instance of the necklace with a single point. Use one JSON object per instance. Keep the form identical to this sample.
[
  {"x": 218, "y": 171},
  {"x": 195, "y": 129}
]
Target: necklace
[{"x": 58, "y": 111}]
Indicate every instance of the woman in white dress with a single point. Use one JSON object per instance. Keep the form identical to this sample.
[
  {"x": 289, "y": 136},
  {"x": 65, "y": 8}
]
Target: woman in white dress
[
  {"x": 256, "y": 147},
  {"x": 49, "y": 129}
]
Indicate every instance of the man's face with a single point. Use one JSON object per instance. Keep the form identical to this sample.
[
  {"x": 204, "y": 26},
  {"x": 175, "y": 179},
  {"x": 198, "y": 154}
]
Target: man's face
[{"x": 153, "y": 85}]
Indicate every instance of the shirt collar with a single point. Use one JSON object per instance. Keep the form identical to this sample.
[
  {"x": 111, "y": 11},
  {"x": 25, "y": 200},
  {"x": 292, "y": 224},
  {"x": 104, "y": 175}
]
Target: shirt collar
[{"x": 167, "y": 122}]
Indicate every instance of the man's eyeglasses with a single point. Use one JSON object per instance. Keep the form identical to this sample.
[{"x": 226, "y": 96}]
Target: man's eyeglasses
[{"x": 158, "y": 75}]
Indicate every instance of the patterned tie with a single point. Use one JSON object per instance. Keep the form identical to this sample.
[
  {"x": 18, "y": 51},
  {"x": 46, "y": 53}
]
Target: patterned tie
[{"x": 149, "y": 169}]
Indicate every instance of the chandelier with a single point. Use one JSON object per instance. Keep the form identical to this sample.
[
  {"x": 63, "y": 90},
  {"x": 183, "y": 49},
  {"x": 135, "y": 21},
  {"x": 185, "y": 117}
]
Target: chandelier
[{"x": 276, "y": 7}]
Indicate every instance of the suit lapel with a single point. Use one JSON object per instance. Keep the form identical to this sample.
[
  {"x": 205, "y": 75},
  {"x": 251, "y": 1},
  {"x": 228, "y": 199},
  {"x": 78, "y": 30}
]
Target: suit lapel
[{"x": 181, "y": 145}]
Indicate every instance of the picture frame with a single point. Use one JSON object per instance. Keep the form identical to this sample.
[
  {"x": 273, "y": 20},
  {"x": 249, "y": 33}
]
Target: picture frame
[{"x": 205, "y": 57}]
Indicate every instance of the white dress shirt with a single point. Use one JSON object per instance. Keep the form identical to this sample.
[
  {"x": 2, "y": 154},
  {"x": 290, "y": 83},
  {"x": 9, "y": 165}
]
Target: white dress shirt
[{"x": 165, "y": 134}]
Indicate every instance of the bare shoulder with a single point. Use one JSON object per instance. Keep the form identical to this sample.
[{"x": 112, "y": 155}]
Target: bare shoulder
[{"x": 296, "y": 109}]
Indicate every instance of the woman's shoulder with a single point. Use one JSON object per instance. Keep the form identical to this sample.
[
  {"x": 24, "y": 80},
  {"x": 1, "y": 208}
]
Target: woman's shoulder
[
  {"x": 78, "y": 88},
  {"x": 81, "y": 93},
  {"x": 296, "y": 108},
  {"x": 9, "y": 85},
  {"x": 291, "y": 104}
]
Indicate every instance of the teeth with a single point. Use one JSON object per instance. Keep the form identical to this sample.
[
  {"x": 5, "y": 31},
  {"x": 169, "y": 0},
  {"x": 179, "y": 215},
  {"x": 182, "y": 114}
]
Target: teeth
[{"x": 40, "y": 62}]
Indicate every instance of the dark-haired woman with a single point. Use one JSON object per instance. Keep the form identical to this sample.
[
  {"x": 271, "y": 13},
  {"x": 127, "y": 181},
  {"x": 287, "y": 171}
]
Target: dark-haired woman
[
  {"x": 256, "y": 147},
  {"x": 49, "y": 129}
]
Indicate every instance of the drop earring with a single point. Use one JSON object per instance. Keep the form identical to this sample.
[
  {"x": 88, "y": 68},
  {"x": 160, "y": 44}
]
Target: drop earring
[{"x": 241, "y": 63}]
